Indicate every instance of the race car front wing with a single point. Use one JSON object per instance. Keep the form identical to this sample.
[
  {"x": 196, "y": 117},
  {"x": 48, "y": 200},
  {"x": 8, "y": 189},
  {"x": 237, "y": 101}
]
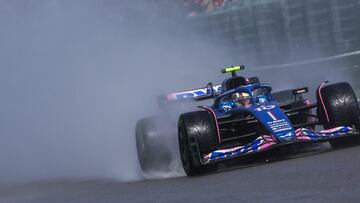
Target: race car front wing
[{"x": 267, "y": 142}]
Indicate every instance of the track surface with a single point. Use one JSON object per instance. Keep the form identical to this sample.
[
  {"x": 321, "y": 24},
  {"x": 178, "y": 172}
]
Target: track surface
[{"x": 327, "y": 177}]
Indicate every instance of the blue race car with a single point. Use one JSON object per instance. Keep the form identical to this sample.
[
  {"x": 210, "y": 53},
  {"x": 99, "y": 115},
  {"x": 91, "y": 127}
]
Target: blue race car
[{"x": 246, "y": 118}]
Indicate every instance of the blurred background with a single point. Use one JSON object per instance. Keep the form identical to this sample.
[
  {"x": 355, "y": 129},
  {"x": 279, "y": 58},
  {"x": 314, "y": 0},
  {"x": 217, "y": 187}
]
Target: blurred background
[
  {"x": 281, "y": 31},
  {"x": 272, "y": 32},
  {"x": 75, "y": 76}
]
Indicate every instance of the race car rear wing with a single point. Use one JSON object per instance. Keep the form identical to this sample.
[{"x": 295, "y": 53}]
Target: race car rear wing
[
  {"x": 211, "y": 91},
  {"x": 200, "y": 94}
]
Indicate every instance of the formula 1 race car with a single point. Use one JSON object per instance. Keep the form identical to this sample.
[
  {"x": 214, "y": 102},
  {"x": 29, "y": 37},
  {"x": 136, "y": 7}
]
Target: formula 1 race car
[{"x": 246, "y": 118}]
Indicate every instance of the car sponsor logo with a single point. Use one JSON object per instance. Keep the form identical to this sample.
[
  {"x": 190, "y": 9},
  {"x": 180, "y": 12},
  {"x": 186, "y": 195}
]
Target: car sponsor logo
[
  {"x": 287, "y": 136},
  {"x": 227, "y": 108},
  {"x": 279, "y": 125},
  {"x": 265, "y": 108},
  {"x": 194, "y": 93},
  {"x": 262, "y": 100}
]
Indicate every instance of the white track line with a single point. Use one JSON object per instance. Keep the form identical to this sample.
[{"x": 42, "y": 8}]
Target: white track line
[{"x": 340, "y": 56}]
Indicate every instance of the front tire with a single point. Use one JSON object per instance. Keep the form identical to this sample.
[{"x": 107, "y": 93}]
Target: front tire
[
  {"x": 197, "y": 136},
  {"x": 338, "y": 106}
]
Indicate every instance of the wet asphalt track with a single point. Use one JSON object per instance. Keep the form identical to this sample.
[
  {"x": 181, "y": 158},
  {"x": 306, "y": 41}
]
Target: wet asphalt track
[{"x": 326, "y": 177}]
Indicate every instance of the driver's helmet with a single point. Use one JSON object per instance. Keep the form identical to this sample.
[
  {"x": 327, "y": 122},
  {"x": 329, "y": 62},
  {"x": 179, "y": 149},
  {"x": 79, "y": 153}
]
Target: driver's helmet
[{"x": 241, "y": 98}]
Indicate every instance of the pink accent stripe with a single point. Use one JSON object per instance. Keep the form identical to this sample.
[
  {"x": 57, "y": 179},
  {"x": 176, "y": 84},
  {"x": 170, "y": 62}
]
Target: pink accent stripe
[
  {"x": 333, "y": 130},
  {"x": 216, "y": 122},
  {"x": 303, "y": 138},
  {"x": 322, "y": 101},
  {"x": 268, "y": 143}
]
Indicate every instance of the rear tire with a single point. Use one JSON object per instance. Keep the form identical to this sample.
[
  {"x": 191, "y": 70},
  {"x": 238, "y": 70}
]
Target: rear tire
[
  {"x": 197, "y": 137},
  {"x": 338, "y": 106},
  {"x": 152, "y": 151}
]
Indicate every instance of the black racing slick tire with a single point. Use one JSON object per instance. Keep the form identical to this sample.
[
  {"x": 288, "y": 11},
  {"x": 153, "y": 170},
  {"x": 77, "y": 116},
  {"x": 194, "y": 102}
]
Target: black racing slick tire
[
  {"x": 197, "y": 136},
  {"x": 338, "y": 106},
  {"x": 151, "y": 150}
]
